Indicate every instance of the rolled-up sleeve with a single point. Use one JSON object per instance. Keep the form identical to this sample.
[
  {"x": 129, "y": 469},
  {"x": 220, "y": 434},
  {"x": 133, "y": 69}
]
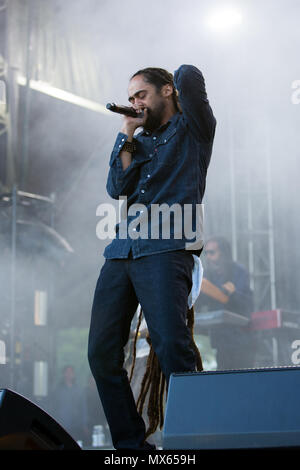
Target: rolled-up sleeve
[
  {"x": 121, "y": 182},
  {"x": 193, "y": 100}
]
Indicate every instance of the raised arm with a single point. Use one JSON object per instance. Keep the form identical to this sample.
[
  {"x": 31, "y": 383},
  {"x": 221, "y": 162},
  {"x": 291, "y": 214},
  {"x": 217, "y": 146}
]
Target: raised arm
[{"x": 194, "y": 103}]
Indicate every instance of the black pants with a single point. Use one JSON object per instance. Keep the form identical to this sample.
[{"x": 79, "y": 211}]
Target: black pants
[{"x": 161, "y": 284}]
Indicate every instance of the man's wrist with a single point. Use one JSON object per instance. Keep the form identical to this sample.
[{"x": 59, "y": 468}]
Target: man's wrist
[
  {"x": 129, "y": 147},
  {"x": 225, "y": 291},
  {"x": 128, "y": 132}
]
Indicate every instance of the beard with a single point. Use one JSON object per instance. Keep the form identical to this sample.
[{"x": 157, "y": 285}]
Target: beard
[{"x": 154, "y": 118}]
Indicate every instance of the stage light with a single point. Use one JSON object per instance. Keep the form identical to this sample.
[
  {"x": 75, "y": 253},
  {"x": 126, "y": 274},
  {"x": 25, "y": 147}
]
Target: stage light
[
  {"x": 224, "y": 19},
  {"x": 40, "y": 379},
  {"x": 2, "y": 352},
  {"x": 40, "y": 308},
  {"x": 63, "y": 95}
]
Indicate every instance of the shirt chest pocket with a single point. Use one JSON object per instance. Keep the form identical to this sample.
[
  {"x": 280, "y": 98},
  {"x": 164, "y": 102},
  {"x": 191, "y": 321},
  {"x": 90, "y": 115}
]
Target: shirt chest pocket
[{"x": 167, "y": 149}]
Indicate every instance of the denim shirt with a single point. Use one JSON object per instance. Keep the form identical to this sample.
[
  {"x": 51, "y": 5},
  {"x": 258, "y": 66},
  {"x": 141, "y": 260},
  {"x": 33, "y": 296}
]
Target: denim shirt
[{"x": 168, "y": 166}]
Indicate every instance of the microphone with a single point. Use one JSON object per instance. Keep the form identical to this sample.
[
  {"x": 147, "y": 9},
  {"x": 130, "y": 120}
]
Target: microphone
[{"x": 126, "y": 110}]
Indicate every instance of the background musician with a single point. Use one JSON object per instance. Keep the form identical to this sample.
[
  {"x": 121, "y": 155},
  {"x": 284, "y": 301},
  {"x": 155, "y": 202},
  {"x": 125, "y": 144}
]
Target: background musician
[{"x": 226, "y": 286}]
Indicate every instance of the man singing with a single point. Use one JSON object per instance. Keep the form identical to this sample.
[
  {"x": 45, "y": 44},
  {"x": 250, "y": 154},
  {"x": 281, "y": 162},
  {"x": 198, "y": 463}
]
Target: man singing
[{"x": 166, "y": 163}]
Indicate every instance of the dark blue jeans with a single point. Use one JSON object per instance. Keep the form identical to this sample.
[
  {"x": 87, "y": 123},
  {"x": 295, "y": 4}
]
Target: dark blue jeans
[{"x": 161, "y": 284}]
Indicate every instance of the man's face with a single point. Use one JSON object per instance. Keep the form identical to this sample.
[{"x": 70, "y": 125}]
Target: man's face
[
  {"x": 142, "y": 94},
  {"x": 212, "y": 255}
]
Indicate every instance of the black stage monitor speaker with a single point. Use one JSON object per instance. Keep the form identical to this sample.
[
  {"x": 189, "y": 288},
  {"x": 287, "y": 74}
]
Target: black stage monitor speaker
[
  {"x": 25, "y": 426},
  {"x": 242, "y": 409}
]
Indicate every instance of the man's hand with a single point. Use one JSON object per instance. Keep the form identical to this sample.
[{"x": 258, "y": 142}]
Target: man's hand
[
  {"x": 130, "y": 124},
  {"x": 229, "y": 286}
]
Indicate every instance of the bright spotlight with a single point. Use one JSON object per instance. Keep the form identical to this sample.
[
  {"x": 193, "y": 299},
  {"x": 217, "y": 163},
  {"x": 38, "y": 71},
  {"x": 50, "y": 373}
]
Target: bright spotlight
[
  {"x": 224, "y": 19},
  {"x": 63, "y": 95}
]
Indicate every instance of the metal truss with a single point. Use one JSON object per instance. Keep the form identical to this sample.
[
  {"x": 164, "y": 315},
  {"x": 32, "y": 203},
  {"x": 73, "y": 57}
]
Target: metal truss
[{"x": 251, "y": 206}]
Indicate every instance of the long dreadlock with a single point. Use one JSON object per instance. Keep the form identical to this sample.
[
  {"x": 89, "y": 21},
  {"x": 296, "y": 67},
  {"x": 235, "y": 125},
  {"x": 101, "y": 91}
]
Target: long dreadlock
[{"x": 154, "y": 380}]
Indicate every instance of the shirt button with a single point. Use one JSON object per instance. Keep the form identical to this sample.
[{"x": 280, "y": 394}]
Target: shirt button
[
  {"x": 148, "y": 176},
  {"x": 142, "y": 191},
  {"x": 154, "y": 138},
  {"x": 165, "y": 140},
  {"x": 120, "y": 145}
]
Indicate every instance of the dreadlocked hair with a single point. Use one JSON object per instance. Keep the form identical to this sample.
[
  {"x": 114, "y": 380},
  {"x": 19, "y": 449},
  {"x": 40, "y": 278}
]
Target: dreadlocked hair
[
  {"x": 154, "y": 381},
  {"x": 159, "y": 77}
]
